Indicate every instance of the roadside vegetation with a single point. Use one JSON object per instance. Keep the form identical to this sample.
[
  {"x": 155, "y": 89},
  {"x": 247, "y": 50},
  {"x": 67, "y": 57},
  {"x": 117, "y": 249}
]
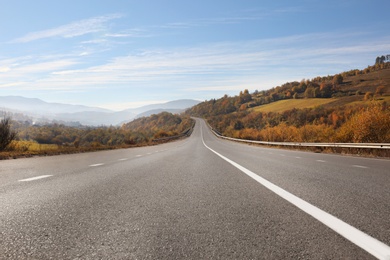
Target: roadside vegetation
[
  {"x": 29, "y": 140},
  {"x": 350, "y": 107},
  {"x": 7, "y": 135}
]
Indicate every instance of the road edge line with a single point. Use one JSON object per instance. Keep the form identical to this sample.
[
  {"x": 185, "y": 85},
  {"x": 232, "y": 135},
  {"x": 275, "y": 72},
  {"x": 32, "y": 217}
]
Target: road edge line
[{"x": 372, "y": 245}]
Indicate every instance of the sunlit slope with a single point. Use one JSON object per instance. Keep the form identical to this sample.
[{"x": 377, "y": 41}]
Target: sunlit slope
[{"x": 288, "y": 104}]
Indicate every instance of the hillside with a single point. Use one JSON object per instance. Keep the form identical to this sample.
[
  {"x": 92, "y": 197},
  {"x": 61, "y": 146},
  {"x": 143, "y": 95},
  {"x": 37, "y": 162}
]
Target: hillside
[
  {"x": 159, "y": 125},
  {"x": 288, "y": 104},
  {"x": 53, "y": 139},
  {"x": 352, "y": 106}
]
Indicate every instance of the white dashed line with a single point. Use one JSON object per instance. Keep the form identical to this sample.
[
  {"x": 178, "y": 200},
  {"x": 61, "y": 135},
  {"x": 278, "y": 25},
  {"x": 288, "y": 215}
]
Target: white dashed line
[
  {"x": 138, "y": 155},
  {"x": 298, "y": 157},
  {"x": 320, "y": 161},
  {"x": 123, "y": 159},
  {"x": 360, "y": 166},
  {"x": 36, "y": 178},
  {"x": 96, "y": 165}
]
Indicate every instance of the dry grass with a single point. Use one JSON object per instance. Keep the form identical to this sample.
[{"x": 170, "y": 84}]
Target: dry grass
[
  {"x": 362, "y": 102},
  {"x": 23, "y": 146},
  {"x": 24, "y": 149},
  {"x": 368, "y": 82},
  {"x": 288, "y": 104}
]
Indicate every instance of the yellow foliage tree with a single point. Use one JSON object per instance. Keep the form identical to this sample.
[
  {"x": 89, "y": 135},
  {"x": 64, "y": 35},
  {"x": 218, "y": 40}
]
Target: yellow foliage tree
[{"x": 370, "y": 125}]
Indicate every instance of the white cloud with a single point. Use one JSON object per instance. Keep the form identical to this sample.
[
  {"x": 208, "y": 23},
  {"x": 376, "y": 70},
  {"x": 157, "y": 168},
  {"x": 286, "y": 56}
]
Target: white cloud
[
  {"x": 4, "y": 69},
  {"x": 130, "y": 33},
  {"x": 12, "y": 84},
  {"x": 74, "y": 29},
  {"x": 238, "y": 17},
  {"x": 45, "y": 66}
]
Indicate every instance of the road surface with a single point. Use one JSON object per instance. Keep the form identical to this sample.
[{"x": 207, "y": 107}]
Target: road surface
[{"x": 197, "y": 198}]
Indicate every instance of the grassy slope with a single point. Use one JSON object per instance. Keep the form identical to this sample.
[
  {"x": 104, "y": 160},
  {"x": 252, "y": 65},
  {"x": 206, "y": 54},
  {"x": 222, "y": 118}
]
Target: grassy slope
[
  {"x": 289, "y": 104},
  {"x": 368, "y": 82}
]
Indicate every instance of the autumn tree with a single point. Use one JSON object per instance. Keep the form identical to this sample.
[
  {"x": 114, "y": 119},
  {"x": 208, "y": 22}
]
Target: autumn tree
[
  {"x": 370, "y": 125},
  {"x": 381, "y": 60},
  {"x": 244, "y": 97},
  {"x": 7, "y": 135},
  {"x": 337, "y": 80},
  {"x": 325, "y": 90},
  {"x": 380, "y": 90},
  {"x": 368, "y": 96},
  {"x": 309, "y": 93}
]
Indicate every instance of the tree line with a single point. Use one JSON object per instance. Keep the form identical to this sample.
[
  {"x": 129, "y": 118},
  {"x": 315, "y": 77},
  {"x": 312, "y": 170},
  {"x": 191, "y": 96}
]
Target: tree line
[{"x": 382, "y": 59}]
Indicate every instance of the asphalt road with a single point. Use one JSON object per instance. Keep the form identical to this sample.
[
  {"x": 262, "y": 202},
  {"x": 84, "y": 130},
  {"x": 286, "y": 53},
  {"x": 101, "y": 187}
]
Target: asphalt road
[{"x": 182, "y": 200}]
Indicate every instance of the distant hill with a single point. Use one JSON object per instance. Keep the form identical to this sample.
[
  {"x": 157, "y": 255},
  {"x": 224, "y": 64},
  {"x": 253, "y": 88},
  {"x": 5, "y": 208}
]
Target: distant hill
[
  {"x": 157, "y": 111},
  {"x": 352, "y": 106},
  {"x": 180, "y": 104},
  {"x": 41, "y": 111},
  {"x": 37, "y": 106}
]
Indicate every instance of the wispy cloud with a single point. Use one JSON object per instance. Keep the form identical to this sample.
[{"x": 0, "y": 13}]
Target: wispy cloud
[
  {"x": 4, "y": 69},
  {"x": 130, "y": 33},
  {"x": 12, "y": 84},
  {"x": 240, "y": 16},
  {"x": 74, "y": 29}
]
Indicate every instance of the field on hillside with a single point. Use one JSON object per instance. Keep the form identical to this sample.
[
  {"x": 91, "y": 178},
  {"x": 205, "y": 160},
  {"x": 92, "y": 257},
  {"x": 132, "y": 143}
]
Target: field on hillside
[
  {"x": 368, "y": 82},
  {"x": 289, "y": 104}
]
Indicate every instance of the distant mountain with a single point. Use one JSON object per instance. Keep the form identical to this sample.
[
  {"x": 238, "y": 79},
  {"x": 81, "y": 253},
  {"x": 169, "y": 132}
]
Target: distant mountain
[
  {"x": 37, "y": 106},
  {"x": 41, "y": 111},
  {"x": 97, "y": 118},
  {"x": 176, "y": 104}
]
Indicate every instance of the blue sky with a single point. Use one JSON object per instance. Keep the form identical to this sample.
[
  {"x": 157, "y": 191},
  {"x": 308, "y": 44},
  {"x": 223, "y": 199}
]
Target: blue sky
[{"x": 119, "y": 54}]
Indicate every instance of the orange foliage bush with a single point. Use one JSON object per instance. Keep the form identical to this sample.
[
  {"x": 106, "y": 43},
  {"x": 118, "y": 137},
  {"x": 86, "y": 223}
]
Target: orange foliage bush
[
  {"x": 288, "y": 133},
  {"x": 370, "y": 125}
]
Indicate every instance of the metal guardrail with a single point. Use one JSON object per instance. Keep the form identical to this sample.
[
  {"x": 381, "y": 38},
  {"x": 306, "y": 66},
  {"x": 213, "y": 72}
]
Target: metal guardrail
[{"x": 298, "y": 144}]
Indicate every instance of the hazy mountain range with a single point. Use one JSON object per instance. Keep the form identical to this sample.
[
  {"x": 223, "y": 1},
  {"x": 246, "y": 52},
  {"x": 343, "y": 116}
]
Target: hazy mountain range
[{"x": 41, "y": 111}]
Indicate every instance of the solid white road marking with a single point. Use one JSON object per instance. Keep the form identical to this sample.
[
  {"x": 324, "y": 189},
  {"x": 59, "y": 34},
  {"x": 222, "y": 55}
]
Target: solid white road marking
[
  {"x": 97, "y": 164},
  {"x": 36, "y": 178},
  {"x": 359, "y": 238},
  {"x": 360, "y": 166}
]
